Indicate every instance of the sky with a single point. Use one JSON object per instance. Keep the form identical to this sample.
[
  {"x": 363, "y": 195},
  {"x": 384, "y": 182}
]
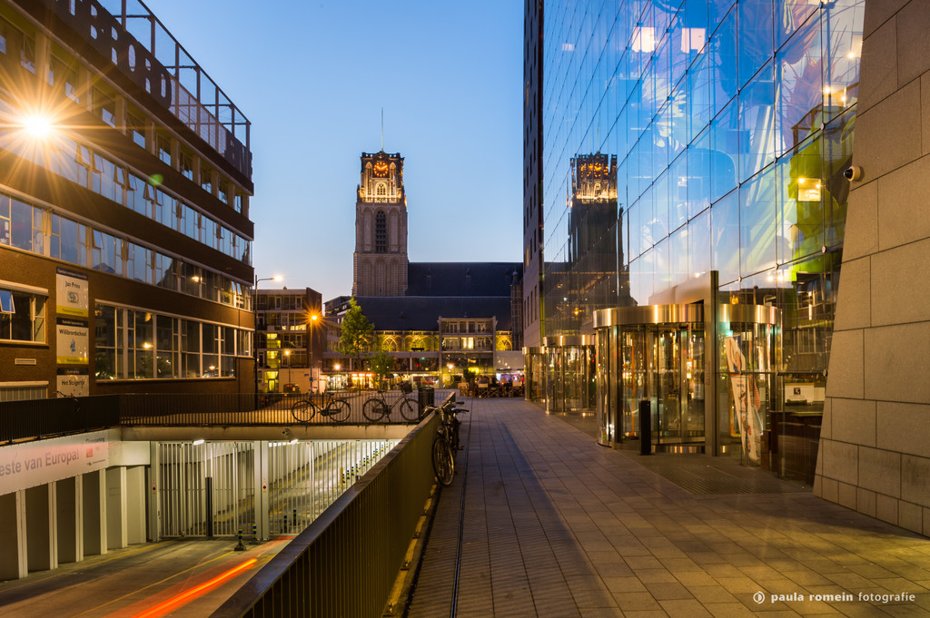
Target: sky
[{"x": 313, "y": 77}]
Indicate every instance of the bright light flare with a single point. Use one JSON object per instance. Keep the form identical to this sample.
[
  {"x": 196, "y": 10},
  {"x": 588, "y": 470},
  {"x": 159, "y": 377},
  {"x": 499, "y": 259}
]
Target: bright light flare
[
  {"x": 169, "y": 605},
  {"x": 38, "y": 126}
]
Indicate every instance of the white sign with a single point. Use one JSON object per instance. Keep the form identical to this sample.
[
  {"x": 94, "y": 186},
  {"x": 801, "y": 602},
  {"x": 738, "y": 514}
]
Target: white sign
[
  {"x": 71, "y": 344},
  {"x": 71, "y": 294},
  {"x": 43, "y": 461},
  {"x": 74, "y": 385}
]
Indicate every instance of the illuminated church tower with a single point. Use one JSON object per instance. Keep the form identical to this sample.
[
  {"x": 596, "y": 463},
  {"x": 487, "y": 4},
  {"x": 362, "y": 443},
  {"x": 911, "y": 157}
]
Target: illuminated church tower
[{"x": 380, "y": 259}]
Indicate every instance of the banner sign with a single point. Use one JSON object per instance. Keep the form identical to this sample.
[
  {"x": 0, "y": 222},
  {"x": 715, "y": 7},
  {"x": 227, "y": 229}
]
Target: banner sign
[
  {"x": 746, "y": 400},
  {"x": 43, "y": 461},
  {"x": 71, "y": 294},
  {"x": 71, "y": 343}
]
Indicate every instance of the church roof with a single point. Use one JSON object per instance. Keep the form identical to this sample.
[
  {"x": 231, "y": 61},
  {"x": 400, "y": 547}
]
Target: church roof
[
  {"x": 423, "y": 312},
  {"x": 462, "y": 278}
]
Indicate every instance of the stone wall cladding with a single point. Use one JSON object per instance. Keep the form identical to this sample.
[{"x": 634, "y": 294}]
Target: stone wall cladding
[{"x": 874, "y": 452}]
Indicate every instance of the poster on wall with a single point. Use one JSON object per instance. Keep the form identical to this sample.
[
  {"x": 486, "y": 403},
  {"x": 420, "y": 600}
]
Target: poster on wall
[
  {"x": 71, "y": 294},
  {"x": 73, "y": 384},
  {"x": 71, "y": 342},
  {"x": 746, "y": 400}
]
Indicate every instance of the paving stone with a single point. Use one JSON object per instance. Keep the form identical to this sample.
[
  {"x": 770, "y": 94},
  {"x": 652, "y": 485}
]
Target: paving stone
[{"x": 555, "y": 525}]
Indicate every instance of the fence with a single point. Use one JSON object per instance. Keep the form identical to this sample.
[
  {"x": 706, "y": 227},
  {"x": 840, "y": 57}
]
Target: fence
[
  {"x": 43, "y": 418},
  {"x": 345, "y": 563}
]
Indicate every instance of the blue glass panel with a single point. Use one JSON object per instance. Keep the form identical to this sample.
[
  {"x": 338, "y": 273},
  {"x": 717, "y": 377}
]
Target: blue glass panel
[
  {"x": 756, "y": 36},
  {"x": 724, "y": 219},
  {"x": 698, "y": 245},
  {"x": 724, "y": 152},
  {"x": 757, "y": 123},
  {"x": 790, "y": 15},
  {"x": 799, "y": 85},
  {"x": 757, "y": 223},
  {"x": 678, "y": 192}
]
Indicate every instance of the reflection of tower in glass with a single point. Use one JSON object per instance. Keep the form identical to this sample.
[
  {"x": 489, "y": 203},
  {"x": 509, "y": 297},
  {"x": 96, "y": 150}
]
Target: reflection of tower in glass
[{"x": 594, "y": 249}]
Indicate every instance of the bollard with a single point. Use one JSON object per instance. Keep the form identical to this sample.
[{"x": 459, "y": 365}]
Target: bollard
[
  {"x": 645, "y": 427},
  {"x": 255, "y": 533},
  {"x": 285, "y": 524},
  {"x": 239, "y": 546},
  {"x": 294, "y": 513}
]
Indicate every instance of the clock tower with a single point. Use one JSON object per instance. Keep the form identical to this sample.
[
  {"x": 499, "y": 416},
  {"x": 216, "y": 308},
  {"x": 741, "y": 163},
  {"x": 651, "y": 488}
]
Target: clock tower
[{"x": 380, "y": 259}]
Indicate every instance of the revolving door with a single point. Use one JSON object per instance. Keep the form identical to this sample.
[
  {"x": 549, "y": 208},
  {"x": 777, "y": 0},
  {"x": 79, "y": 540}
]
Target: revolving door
[{"x": 705, "y": 376}]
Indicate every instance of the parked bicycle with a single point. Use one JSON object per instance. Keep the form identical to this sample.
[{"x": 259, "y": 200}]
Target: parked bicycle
[
  {"x": 446, "y": 442},
  {"x": 377, "y": 408},
  {"x": 326, "y": 404}
]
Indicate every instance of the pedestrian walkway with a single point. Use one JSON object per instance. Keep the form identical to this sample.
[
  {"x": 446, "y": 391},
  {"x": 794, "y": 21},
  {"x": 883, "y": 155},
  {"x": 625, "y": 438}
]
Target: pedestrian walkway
[{"x": 554, "y": 525}]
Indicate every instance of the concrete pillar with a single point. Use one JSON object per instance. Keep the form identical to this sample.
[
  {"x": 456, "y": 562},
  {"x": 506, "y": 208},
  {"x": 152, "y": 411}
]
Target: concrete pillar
[
  {"x": 135, "y": 505},
  {"x": 154, "y": 501},
  {"x": 116, "y": 517},
  {"x": 94, "y": 511},
  {"x": 67, "y": 525},
  {"x": 261, "y": 489},
  {"x": 13, "y": 563},
  {"x": 41, "y": 533}
]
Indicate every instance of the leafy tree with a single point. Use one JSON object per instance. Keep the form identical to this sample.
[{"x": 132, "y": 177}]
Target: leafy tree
[
  {"x": 381, "y": 364},
  {"x": 356, "y": 334}
]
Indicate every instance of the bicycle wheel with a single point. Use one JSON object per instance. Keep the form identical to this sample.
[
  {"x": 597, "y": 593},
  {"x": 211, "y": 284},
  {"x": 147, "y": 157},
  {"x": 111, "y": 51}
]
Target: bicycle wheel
[
  {"x": 303, "y": 411},
  {"x": 339, "y": 410},
  {"x": 410, "y": 409},
  {"x": 373, "y": 409},
  {"x": 443, "y": 464}
]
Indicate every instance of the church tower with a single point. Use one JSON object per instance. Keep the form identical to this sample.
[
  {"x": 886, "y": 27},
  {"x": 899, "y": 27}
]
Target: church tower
[{"x": 380, "y": 259}]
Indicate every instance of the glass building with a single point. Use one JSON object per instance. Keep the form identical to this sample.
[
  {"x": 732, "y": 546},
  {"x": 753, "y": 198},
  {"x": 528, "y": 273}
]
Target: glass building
[{"x": 705, "y": 280}]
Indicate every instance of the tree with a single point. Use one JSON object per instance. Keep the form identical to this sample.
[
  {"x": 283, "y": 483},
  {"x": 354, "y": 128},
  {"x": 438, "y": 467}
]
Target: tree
[
  {"x": 381, "y": 364},
  {"x": 356, "y": 333}
]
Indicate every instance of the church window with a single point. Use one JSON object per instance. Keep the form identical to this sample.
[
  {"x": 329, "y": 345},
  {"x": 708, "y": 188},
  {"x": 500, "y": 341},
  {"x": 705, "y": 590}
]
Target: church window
[
  {"x": 381, "y": 190},
  {"x": 380, "y": 232}
]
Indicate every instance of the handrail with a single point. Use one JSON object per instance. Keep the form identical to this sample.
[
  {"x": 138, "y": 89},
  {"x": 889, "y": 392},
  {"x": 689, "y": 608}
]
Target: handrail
[
  {"x": 361, "y": 539},
  {"x": 45, "y": 418}
]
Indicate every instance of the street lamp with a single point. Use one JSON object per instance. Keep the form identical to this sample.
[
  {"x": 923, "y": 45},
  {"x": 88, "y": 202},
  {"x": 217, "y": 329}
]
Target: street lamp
[
  {"x": 276, "y": 278},
  {"x": 312, "y": 319}
]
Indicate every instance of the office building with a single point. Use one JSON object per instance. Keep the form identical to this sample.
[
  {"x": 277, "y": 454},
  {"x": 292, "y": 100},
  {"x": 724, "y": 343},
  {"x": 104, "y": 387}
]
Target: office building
[
  {"x": 289, "y": 339},
  {"x": 125, "y": 238}
]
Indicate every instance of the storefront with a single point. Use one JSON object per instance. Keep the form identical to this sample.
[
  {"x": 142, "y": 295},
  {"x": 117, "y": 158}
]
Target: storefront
[
  {"x": 570, "y": 374},
  {"x": 707, "y": 376}
]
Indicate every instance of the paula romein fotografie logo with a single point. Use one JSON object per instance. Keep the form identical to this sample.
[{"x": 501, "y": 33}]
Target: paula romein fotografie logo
[{"x": 836, "y": 597}]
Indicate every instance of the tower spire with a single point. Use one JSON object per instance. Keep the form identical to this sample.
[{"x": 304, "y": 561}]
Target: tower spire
[{"x": 382, "y": 129}]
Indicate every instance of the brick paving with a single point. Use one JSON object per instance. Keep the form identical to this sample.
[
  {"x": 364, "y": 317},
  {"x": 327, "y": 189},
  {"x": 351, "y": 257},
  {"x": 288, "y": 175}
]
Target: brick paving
[{"x": 555, "y": 525}]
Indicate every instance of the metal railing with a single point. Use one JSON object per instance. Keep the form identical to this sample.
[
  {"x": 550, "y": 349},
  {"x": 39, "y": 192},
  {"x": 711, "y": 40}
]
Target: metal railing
[
  {"x": 359, "y": 542},
  {"x": 44, "y": 418}
]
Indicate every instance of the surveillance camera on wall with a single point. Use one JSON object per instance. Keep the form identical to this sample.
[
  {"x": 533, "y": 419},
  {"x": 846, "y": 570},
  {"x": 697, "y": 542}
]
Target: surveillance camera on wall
[{"x": 853, "y": 173}]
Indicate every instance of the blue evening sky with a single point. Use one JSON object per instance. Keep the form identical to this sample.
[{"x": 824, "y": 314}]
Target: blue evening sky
[{"x": 313, "y": 76}]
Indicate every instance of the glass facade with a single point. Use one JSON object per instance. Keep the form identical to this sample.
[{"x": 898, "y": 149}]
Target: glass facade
[{"x": 731, "y": 123}]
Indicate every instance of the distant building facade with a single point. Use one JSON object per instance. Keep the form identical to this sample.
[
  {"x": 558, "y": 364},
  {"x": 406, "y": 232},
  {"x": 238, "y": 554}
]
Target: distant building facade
[
  {"x": 290, "y": 338},
  {"x": 380, "y": 259},
  {"x": 432, "y": 317}
]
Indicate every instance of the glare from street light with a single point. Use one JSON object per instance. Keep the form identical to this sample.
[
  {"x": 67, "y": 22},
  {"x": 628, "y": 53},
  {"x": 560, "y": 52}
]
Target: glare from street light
[
  {"x": 37, "y": 126},
  {"x": 277, "y": 278}
]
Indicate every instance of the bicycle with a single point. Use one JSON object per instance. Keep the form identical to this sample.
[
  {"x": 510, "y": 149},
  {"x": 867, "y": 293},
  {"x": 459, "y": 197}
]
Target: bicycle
[
  {"x": 377, "y": 408},
  {"x": 446, "y": 442},
  {"x": 304, "y": 410}
]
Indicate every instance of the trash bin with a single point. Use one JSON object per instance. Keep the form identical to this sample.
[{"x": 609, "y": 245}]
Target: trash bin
[{"x": 426, "y": 396}]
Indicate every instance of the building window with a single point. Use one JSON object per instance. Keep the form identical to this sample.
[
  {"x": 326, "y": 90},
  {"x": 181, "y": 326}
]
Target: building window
[
  {"x": 22, "y": 316},
  {"x": 164, "y": 149},
  {"x": 187, "y": 165},
  {"x": 380, "y": 232},
  {"x": 23, "y": 391}
]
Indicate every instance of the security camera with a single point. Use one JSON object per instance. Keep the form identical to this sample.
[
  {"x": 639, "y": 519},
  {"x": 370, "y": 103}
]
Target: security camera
[{"x": 853, "y": 173}]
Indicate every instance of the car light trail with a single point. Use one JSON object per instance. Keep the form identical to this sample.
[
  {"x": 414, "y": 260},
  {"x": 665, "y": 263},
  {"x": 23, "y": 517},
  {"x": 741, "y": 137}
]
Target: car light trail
[{"x": 190, "y": 594}]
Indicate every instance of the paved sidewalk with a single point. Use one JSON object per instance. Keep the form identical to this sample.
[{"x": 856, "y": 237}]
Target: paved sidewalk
[{"x": 555, "y": 525}]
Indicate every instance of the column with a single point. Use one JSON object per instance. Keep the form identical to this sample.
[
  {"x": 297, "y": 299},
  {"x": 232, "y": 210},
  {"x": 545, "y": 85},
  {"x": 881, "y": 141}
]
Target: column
[
  {"x": 41, "y": 536},
  {"x": 116, "y": 520},
  {"x": 135, "y": 505},
  {"x": 68, "y": 525},
  {"x": 260, "y": 448},
  {"x": 13, "y": 564},
  {"x": 94, "y": 512}
]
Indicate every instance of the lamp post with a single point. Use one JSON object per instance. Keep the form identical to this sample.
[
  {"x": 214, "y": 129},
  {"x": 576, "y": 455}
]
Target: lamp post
[
  {"x": 276, "y": 278},
  {"x": 312, "y": 320}
]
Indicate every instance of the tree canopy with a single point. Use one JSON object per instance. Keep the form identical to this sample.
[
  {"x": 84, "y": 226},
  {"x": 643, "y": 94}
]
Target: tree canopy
[{"x": 357, "y": 332}]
